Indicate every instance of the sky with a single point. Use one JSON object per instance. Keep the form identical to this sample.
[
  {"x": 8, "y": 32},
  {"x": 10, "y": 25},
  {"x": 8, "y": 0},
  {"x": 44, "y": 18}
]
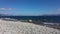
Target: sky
[{"x": 30, "y": 7}]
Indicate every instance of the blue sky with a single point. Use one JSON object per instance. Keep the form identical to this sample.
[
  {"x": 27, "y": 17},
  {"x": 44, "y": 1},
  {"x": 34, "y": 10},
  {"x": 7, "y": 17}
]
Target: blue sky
[{"x": 30, "y": 7}]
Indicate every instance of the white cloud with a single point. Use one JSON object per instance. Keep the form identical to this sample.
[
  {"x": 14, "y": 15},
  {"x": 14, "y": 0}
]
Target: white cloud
[
  {"x": 7, "y": 8},
  {"x": 58, "y": 9}
]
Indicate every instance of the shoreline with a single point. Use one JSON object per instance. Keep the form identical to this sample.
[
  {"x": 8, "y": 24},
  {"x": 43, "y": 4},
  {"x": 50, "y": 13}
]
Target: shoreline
[
  {"x": 12, "y": 27},
  {"x": 50, "y": 26}
]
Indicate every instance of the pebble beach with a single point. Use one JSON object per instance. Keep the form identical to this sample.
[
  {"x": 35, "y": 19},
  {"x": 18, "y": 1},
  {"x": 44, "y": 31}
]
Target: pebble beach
[{"x": 11, "y": 27}]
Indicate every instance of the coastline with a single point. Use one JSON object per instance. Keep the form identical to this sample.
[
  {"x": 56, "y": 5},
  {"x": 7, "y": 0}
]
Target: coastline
[{"x": 11, "y": 27}]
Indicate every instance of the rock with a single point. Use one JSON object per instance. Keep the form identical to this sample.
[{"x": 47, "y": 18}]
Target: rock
[{"x": 10, "y": 27}]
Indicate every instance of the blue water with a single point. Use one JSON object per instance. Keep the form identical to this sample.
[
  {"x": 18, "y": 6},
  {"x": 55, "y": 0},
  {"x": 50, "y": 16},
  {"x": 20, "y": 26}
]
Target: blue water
[{"x": 54, "y": 19}]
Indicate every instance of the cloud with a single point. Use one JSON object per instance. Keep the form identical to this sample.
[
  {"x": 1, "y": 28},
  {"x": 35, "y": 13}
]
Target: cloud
[
  {"x": 58, "y": 9},
  {"x": 7, "y": 8}
]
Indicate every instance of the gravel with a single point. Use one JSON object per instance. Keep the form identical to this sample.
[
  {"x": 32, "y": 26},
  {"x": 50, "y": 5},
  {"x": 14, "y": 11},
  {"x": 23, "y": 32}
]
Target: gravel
[{"x": 10, "y": 27}]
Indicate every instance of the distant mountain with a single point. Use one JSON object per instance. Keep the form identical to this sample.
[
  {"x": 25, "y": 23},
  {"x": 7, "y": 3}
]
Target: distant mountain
[
  {"x": 30, "y": 15},
  {"x": 52, "y": 15}
]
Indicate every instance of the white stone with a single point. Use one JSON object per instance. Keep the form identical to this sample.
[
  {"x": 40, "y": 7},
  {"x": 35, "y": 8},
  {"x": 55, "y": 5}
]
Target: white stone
[{"x": 11, "y": 27}]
